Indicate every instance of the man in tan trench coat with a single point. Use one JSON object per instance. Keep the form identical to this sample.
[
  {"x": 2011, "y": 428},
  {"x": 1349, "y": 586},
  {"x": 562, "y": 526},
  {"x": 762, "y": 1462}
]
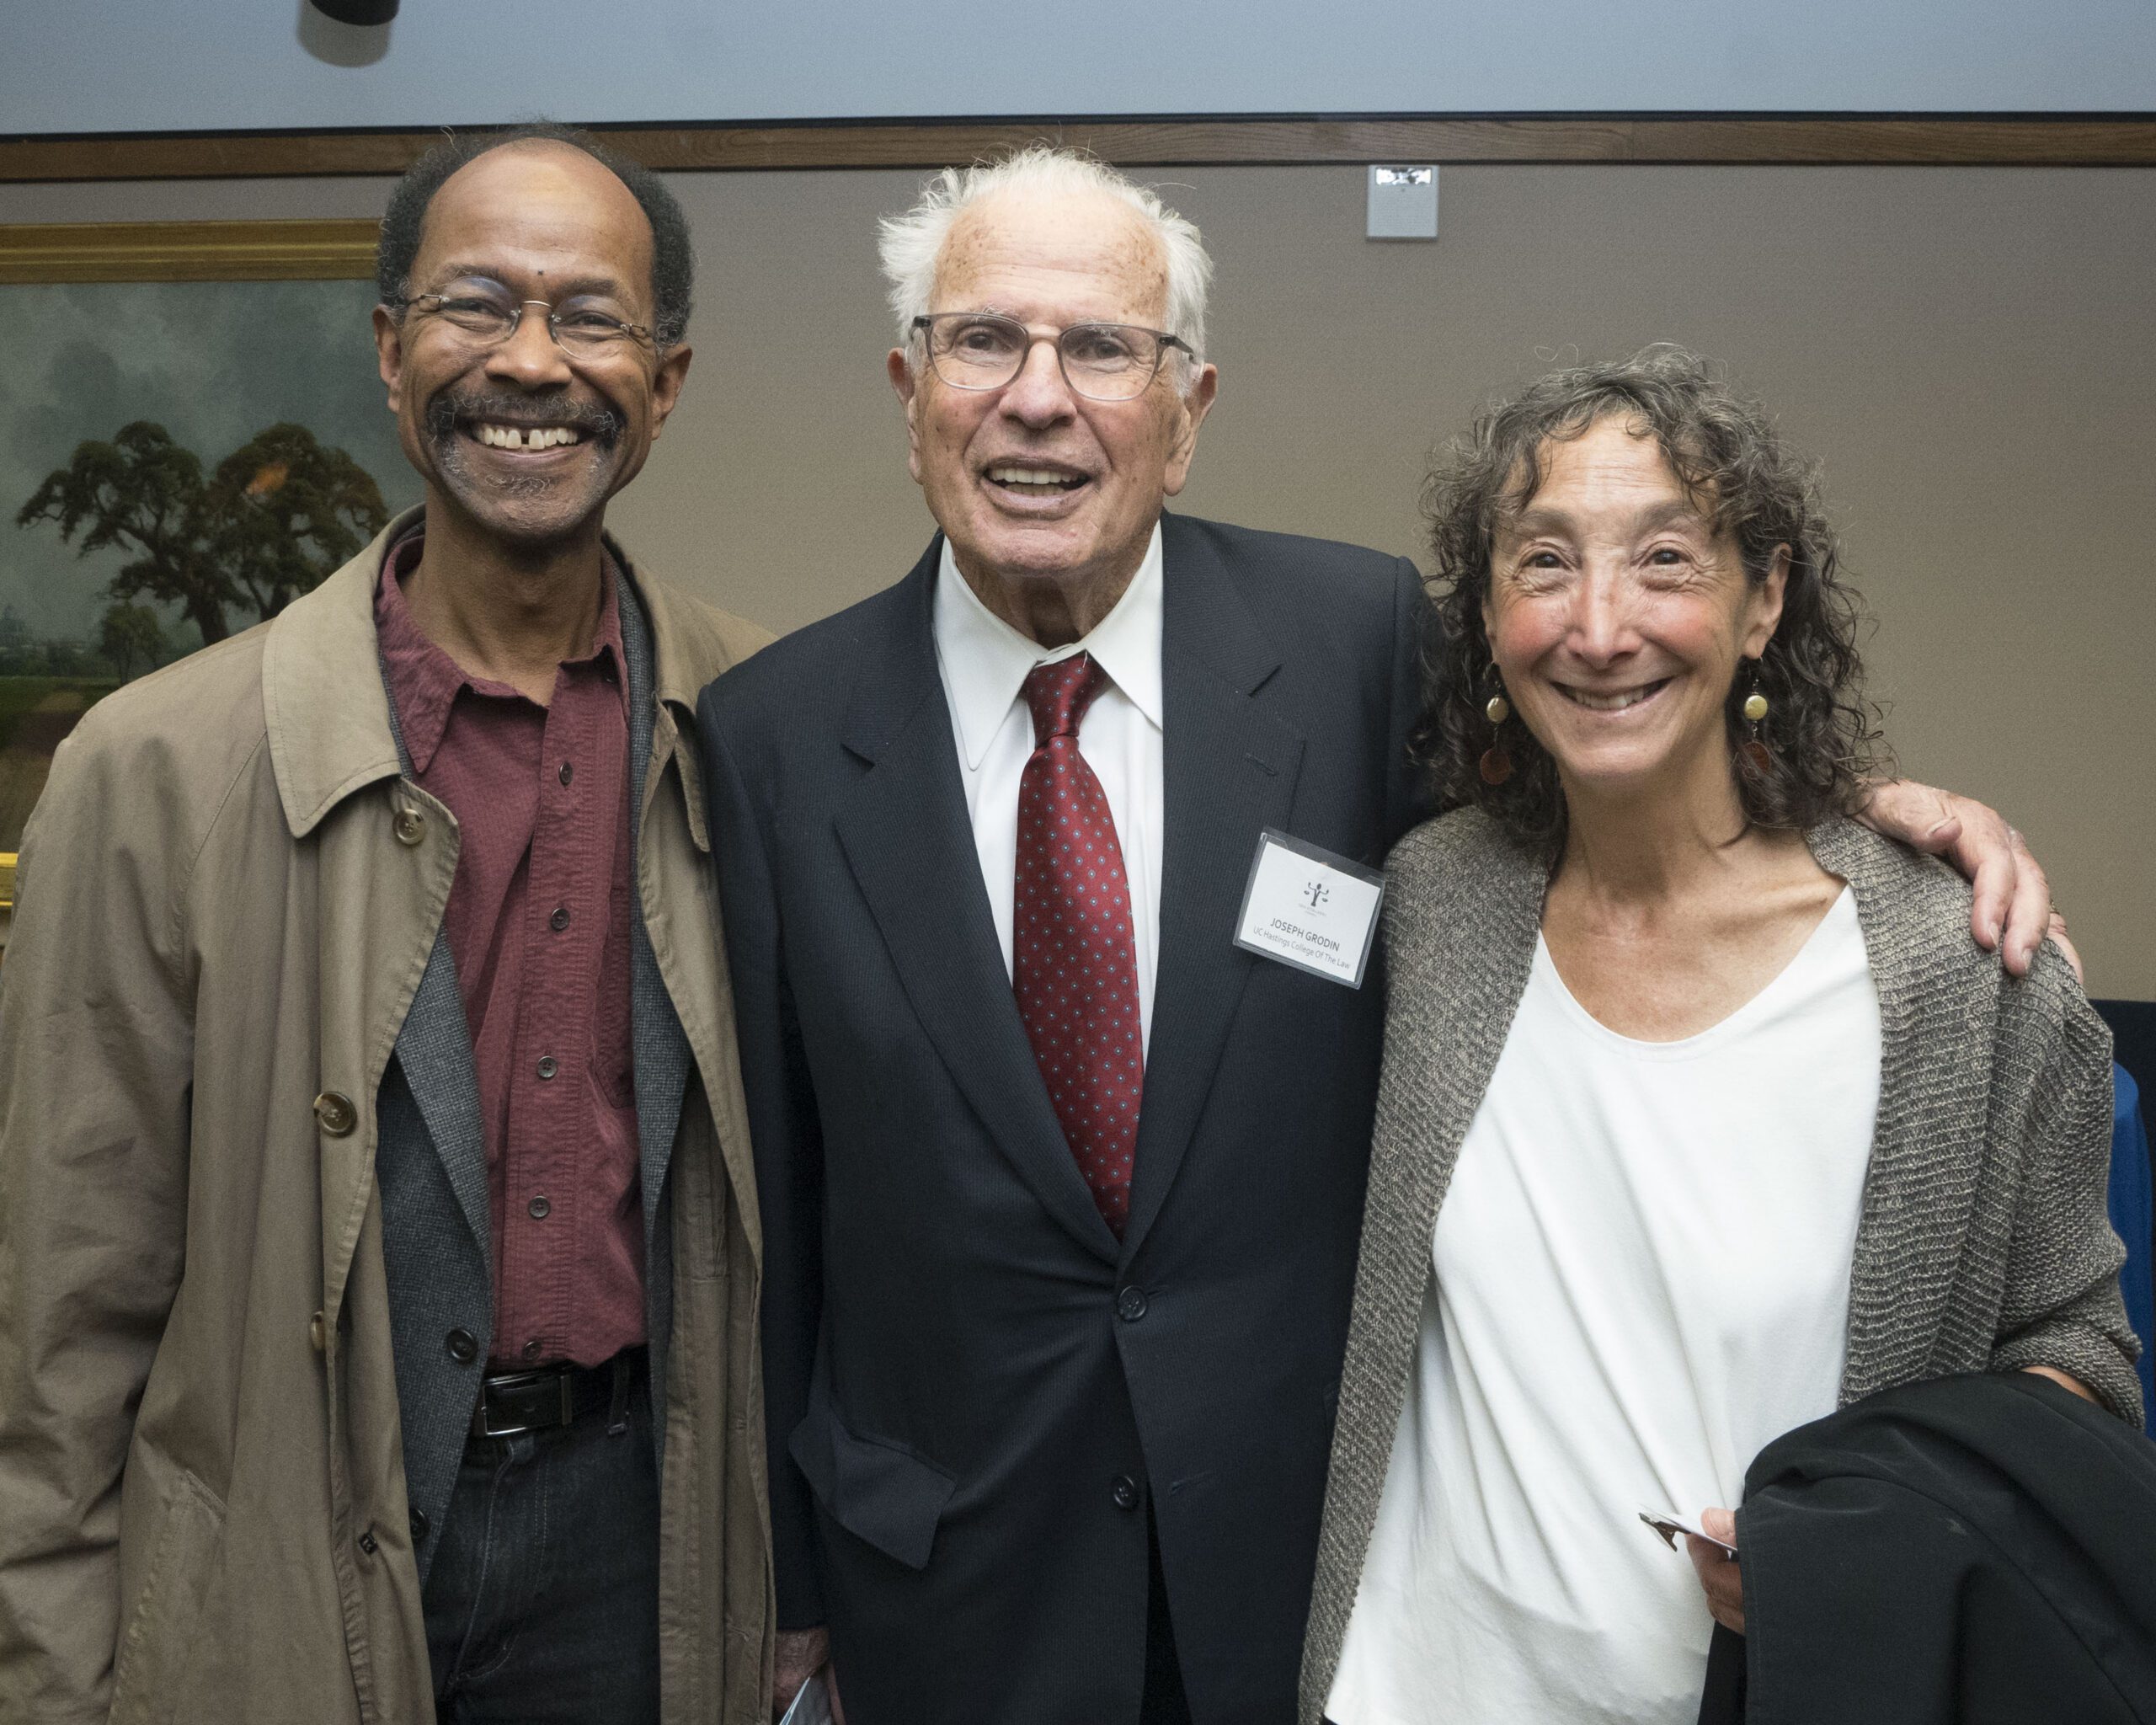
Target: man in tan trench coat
[{"x": 323, "y": 1173}]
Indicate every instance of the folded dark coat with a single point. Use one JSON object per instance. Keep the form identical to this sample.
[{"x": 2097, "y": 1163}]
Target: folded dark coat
[{"x": 1973, "y": 1548}]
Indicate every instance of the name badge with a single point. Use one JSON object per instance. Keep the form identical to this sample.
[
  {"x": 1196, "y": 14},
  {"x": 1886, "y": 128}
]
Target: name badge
[{"x": 1310, "y": 909}]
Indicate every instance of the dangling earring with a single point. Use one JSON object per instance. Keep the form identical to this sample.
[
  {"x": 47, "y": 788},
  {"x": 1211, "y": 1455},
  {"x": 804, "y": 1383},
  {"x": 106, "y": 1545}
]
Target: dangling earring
[
  {"x": 1496, "y": 762},
  {"x": 1751, "y": 753}
]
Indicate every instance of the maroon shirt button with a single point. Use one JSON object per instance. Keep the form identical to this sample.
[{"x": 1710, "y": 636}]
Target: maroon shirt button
[{"x": 485, "y": 752}]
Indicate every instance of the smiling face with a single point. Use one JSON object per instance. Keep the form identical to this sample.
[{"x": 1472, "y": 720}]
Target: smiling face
[
  {"x": 525, "y": 440},
  {"x": 1032, "y": 483},
  {"x": 1617, "y": 616}
]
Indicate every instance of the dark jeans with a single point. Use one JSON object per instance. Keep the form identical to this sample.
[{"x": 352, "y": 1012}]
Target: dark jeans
[{"x": 543, "y": 1604}]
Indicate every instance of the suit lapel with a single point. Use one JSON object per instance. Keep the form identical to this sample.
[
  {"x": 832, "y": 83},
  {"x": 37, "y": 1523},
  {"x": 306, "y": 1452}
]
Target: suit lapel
[
  {"x": 907, "y": 838},
  {"x": 1230, "y": 771}
]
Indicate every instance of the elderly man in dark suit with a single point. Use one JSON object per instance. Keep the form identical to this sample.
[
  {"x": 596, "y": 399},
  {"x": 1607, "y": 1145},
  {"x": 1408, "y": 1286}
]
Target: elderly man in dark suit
[{"x": 1060, "y": 1139}]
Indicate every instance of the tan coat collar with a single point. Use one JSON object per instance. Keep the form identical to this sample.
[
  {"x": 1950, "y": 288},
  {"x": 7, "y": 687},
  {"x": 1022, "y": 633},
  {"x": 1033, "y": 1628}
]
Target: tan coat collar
[{"x": 322, "y": 697}]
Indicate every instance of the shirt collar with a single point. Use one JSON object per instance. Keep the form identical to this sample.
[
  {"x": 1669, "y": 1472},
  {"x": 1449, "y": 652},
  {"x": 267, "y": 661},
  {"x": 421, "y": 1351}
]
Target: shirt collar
[
  {"x": 986, "y": 661},
  {"x": 424, "y": 681}
]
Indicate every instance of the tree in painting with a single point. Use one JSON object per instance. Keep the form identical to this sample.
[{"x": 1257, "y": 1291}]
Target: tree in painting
[
  {"x": 131, "y": 638},
  {"x": 288, "y": 513},
  {"x": 142, "y": 493},
  {"x": 279, "y": 514}
]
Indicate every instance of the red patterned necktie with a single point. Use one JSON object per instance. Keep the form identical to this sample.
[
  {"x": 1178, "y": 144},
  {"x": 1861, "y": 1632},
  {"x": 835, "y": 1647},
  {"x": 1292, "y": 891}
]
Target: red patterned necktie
[{"x": 1073, "y": 960}]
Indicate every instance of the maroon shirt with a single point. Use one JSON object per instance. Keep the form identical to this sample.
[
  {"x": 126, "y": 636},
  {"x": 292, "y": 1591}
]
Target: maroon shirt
[{"x": 538, "y": 924}]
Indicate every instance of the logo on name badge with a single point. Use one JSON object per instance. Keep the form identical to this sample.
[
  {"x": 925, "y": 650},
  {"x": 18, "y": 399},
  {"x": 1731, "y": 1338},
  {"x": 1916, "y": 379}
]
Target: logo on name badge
[{"x": 1308, "y": 909}]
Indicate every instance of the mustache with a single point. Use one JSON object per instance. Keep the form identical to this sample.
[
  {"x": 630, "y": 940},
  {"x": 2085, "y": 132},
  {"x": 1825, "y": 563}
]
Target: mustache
[{"x": 590, "y": 420}]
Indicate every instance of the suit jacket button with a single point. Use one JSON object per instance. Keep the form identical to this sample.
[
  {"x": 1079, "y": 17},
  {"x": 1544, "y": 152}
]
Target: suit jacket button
[
  {"x": 367, "y": 1543},
  {"x": 1124, "y": 1491},
  {"x": 1130, "y": 1305},
  {"x": 335, "y": 1113},
  {"x": 463, "y": 1346},
  {"x": 419, "y": 1525},
  {"x": 318, "y": 1332},
  {"x": 410, "y": 826}
]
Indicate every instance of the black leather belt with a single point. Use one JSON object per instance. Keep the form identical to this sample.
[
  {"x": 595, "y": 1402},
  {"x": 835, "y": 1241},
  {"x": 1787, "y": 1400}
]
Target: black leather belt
[{"x": 515, "y": 1401}]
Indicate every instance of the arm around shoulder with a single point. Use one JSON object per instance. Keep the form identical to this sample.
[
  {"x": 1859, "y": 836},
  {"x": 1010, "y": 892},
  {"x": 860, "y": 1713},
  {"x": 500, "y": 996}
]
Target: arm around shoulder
[{"x": 96, "y": 1053}]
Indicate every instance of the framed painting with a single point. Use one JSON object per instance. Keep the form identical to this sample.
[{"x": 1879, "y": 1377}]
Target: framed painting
[{"x": 192, "y": 433}]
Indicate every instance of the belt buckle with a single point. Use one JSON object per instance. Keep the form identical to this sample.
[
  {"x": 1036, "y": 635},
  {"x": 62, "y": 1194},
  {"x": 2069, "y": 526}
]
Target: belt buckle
[{"x": 482, "y": 1425}]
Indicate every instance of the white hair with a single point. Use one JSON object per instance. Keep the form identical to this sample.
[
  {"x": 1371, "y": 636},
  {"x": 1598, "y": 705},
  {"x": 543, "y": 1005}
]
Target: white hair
[{"x": 912, "y": 244}]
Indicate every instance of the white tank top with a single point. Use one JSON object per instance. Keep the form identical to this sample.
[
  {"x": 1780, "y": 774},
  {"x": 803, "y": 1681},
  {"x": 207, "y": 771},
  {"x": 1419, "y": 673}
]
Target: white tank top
[{"x": 1641, "y": 1277}]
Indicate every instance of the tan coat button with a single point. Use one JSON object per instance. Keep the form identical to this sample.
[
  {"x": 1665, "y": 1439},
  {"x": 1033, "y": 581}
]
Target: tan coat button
[
  {"x": 411, "y": 826},
  {"x": 318, "y": 1332},
  {"x": 336, "y": 1114}
]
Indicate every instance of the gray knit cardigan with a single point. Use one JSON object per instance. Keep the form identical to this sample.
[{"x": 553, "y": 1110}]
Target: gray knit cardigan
[{"x": 1983, "y": 1243}]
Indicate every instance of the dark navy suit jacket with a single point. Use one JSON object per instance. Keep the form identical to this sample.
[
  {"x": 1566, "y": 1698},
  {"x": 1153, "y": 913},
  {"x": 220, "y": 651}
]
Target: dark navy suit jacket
[{"x": 977, "y": 1397}]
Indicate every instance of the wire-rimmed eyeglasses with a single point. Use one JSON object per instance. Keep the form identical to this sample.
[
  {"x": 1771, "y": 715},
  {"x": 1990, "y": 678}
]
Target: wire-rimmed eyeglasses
[
  {"x": 1100, "y": 361},
  {"x": 488, "y": 320}
]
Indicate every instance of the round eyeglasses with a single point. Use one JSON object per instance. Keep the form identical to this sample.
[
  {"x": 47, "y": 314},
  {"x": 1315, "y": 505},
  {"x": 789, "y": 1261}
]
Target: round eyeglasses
[
  {"x": 1100, "y": 361},
  {"x": 488, "y": 320}
]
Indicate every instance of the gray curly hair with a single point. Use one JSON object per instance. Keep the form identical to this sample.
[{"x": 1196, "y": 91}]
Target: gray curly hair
[{"x": 1822, "y": 733}]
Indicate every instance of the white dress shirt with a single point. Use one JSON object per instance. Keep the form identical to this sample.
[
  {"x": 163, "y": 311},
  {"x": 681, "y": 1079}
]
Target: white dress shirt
[{"x": 984, "y": 663}]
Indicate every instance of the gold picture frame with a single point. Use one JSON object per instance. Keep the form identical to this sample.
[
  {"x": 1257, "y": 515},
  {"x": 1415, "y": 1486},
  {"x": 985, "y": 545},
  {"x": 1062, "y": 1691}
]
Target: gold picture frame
[
  {"x": 334, "y": 250},
  {"x": 166, "y": 349}
]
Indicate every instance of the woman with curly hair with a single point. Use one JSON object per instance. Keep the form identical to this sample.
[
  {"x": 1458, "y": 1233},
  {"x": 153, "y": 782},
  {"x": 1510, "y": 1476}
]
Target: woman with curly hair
[{"x": 1699, "y": 1115}]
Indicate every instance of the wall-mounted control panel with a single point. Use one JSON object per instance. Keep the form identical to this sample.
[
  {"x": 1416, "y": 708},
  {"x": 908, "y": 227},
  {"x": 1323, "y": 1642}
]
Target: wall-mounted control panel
[{"x": 1403, "y": 203}]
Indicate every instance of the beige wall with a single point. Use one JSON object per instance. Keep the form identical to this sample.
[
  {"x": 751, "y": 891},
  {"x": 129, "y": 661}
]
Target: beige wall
[{"x": 1971, "y": 351}]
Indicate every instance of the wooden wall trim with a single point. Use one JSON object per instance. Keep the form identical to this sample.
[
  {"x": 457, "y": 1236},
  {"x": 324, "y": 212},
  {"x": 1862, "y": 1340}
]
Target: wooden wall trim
[
  {"x": 1966, "y": 140},
  {"x": 188, "y": 251}
]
